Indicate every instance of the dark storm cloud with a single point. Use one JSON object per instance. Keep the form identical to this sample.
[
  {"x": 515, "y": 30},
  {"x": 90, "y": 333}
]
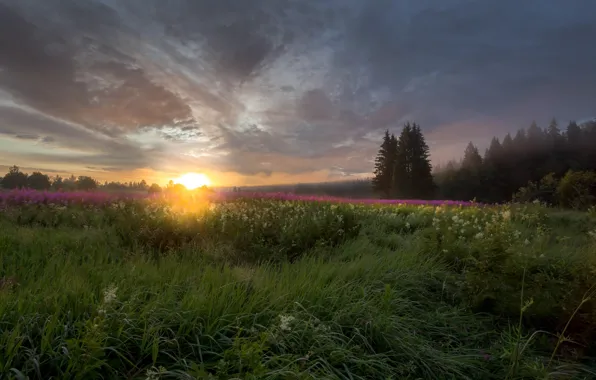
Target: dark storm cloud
[
  {"x": 287, "y": 85},
  {"x": 95, "y": 148},
  {"x": 42, "y": 69}
]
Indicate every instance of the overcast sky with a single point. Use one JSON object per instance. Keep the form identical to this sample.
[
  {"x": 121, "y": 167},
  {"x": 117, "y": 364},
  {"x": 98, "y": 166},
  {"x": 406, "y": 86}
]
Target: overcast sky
[{"x": 270, "y": 91}]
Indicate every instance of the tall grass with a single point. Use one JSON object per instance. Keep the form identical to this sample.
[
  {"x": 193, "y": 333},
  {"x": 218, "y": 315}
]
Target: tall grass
[{"x": 273, "y": 290}]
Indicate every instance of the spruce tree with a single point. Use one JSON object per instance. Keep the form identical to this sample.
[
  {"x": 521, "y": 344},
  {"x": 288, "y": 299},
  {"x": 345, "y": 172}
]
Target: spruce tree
[
  {"x": 422, "y": 180},
  {"x": 413, "y": 171},
  {"x": 384, "y": 162},
  {"x": 402, "y": 181},
  {"x": 472, "y": 158}
]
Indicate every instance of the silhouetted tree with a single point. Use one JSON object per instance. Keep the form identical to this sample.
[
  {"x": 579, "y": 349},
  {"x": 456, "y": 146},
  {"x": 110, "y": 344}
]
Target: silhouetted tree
[
  {"x": 14, "y": 179},
  {"x": 472, "y": 158},
  {"x": 57, "y": 183},
  {"x": 154, "y": 189},
  {"x": 421, "y": 179},
  {"x": 86, "y": 183},
  {"x": 402, "y": 179},
  {"x": 382, "y": 181},
  {"x": 38, "y": 181}
]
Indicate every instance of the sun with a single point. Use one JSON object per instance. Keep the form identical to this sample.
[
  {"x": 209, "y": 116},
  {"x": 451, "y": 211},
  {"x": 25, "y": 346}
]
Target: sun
[{"x": 193, "y": 180}]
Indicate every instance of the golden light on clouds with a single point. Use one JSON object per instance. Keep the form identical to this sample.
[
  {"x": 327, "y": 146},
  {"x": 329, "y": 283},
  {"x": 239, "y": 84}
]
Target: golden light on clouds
[{"x": 193, "y": 180}]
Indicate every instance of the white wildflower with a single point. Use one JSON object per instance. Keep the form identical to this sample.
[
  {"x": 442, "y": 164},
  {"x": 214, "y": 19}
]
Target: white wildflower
[
  {"x": 479, "y": 235},
  {"x": 506, "y": 215},
  {"x": 285, "y": 321},
  {"x": 155, "y": 373},
  {"x": 109, "y": 295}
]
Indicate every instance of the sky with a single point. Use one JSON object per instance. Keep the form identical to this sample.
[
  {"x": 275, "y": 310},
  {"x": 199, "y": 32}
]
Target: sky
[{"x": 279, "y": 91}]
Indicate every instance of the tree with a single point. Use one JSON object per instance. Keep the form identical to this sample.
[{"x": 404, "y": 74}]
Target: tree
[
  {"x": 38, "y": 181},
  {"x": 402, "y": 180},
  {"x": 472, "y": 158},
  {"x": 382, "y": 181},
  {"x": 86, "y": 183},
  {"x": 154, "y": 189},
  {"x": 423, "y": 185},
  {"x": 507, "y": 144},
  {"x": 412, "y": 171},
  {"x": 494, "y": 151},
  {"x": 535, "y": 135},
  {"x": 553, "y": 132},
  {"x": 57, "y": 183},
  {"x": 573, "y": 133},
  {"x": 14, "y": 179},
  {"x": 577, "y": 189}
]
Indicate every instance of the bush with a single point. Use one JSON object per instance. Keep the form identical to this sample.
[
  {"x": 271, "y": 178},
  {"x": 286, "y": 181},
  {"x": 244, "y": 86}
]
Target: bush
[
  {"x": 577, "y": 189},
  {"x": 544, "y": 191}
]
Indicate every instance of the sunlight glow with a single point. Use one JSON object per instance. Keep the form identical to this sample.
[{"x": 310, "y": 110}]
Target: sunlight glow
[{"x": 193, "y": 180}]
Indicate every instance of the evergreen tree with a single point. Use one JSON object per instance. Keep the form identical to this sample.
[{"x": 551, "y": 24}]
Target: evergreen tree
[
  {"x": 553, "y": 132},
  {"x": 472, "y": 158},
  {"x": 573, "y": 134},
  {"x": 402, "y": 181},
  {"x": 413, "y": 171},
  {"x": 494, "y": 152},
  {"x": 507, "y": 145},
  {"x": 382, "y": 181},
  {"x": 422, "y": 181}
]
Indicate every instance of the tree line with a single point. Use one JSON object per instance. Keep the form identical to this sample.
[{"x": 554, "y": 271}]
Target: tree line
[
  {"x": 518, "y": 163},
  {"x": 546, "y": 164},
  {"x": 17, "y": 179}
]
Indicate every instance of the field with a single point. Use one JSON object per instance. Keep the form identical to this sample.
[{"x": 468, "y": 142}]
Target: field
[{"x": 93, "y": 286}]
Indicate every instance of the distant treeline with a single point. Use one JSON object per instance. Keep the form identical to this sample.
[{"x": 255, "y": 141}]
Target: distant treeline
[
  {"x": 521, "y": 163},
  {"x": 356, "y": 188},
  {"x": 17, "y": 179}
]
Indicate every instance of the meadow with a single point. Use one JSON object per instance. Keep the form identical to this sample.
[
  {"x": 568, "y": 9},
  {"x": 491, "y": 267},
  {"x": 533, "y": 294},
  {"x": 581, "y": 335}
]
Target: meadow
[{"x": 253, "y": 286}]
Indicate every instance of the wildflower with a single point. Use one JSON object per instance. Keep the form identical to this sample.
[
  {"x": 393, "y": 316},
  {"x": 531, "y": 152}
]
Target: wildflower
[
  {"x": 155, "y": 373},
  {"x": 109, "y": 295},
  {"x": 285, "y": 321},
  {"x": 479, "y": 235},
  {"x": 506, "y": 215}
]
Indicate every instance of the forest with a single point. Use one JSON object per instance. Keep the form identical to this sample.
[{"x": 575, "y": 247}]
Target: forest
[{"x": 550, "y": 165}]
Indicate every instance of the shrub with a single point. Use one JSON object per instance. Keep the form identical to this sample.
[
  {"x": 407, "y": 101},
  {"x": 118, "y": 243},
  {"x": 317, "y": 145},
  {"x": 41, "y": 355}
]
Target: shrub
[
  {"x": 544, "y": 191},
  {"x": 577, "y": 189}
]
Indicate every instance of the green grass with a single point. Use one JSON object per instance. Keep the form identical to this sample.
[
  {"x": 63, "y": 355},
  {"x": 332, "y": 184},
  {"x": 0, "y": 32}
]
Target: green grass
[{"x": 290, "y": 290}]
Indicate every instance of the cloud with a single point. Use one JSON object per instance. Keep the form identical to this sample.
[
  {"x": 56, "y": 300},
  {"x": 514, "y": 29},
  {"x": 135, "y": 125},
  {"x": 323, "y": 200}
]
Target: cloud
[
  {"x": 76, "y": 142},
  {"x": 285, "y": 86}
]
